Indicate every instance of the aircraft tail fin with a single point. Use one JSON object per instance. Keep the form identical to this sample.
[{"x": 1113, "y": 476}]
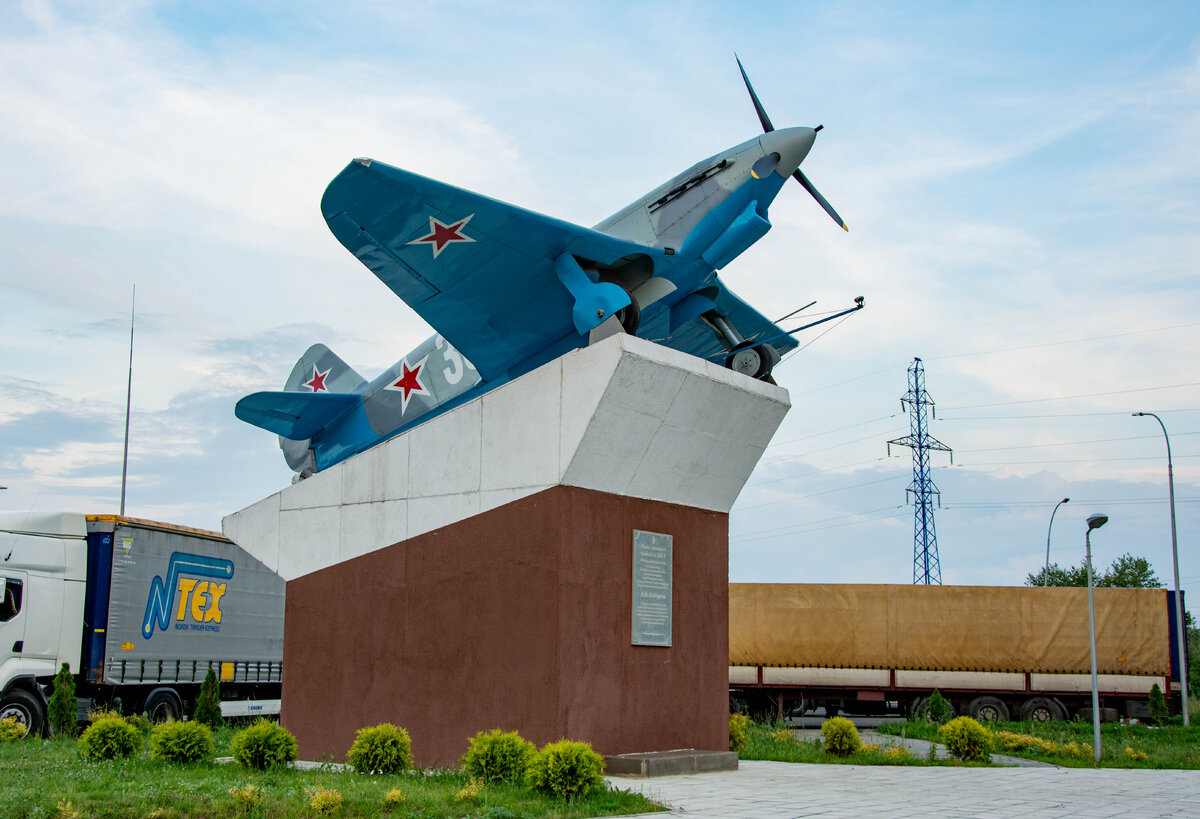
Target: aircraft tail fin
[
  {"x": 321, "y": 370},
  {"x": 297, "y": 416},
  {"x": 320, "y": 389}
]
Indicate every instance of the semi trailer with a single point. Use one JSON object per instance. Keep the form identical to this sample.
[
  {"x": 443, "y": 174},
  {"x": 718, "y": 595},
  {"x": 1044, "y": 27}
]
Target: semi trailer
[
  {"x": 139, "y": 611},
  {"x": 994, "y": 653}
]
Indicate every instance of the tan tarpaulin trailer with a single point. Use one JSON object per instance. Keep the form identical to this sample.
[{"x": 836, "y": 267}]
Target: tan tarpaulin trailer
[{"x": 947, "y": 628}]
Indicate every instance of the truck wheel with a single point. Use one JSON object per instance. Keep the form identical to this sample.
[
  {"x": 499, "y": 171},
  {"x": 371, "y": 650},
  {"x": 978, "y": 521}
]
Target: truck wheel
[
  {"x": 918, "y": 708},
  {"x": 990, "y": 709},
  {"x": 800, "y": 707},
  {"x": 25, "y": 708},
  {"x": 1041, "y": 709},
  {"x": 163, "y": 705}
]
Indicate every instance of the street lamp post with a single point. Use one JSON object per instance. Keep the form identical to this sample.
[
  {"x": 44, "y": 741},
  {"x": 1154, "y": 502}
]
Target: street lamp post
[
  {"x": 1046, "y": 576},
  {"x": 1183, "y": 680},
  {"x": 1094, "y": 522}
]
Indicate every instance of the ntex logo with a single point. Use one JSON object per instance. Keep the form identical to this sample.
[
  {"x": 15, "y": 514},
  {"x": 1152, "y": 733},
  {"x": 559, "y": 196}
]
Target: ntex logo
[{"x": 204, "y": 596}]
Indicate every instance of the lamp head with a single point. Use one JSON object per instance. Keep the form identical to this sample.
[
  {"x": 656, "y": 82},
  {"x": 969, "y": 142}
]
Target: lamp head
[
  {"x": 1138, "y": 414},
  {"x": 1066, "y": 500},
  {"x": 1097, "y": 520}
]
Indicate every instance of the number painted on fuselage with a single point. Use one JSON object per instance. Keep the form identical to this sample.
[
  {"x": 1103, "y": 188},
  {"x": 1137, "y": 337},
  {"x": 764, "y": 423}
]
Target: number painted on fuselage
[{"x": 456, "y": 365}]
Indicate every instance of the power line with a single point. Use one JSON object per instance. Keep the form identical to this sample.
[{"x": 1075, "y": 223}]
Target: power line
[
  {"x": 784, "y": 531},
  {"x": 815, "y": 472},
  {"x": 831, "y": 431},
  {"x": 1076, "y": 443},
  {"x": 787, "y": 458},
  {"x": 1053, "y": 415},
  {"x": 852, "y": 380},
  {"x": 793, "y": 498},
  {"x": 1068, "y": 341},
  {"x": 1072, "y": 461},
  {"x": 1042, "y": 504},
  {"x": 1070, "y": 397}
]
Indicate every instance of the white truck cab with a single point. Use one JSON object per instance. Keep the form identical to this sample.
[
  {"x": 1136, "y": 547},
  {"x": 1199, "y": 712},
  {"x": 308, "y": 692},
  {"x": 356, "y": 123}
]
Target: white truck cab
[{"x": 43, "y": 565}]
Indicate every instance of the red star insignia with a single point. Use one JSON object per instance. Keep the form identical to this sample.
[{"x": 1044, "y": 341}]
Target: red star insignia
[
  {"x": 409, "y": 382},
  {"x": 317, "y": 382},
  {"x": 442, "y": 234}
]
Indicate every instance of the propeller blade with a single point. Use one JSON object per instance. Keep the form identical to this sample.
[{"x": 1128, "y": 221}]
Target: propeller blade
[
  {"x": 821, "y": 200},
  {"x": 768, "y": 128},
  {"x": 758, "y": 107}
]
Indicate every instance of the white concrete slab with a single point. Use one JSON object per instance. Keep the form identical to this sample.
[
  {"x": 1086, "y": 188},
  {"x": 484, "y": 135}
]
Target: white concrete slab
[
  {"x": 322, "y": 489},
  {"x": 624, "y": 416},
  {"x": 444, "y": 454},
  {"x": 379, "y": 474},
  {"x": 364, "y": 527},
  {"x": 259, "y": 525},
  {"x": 520, "y": 431}
]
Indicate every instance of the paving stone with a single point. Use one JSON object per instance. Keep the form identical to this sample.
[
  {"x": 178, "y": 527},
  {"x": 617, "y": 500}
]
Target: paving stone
[{"x": 779, "y": 789}]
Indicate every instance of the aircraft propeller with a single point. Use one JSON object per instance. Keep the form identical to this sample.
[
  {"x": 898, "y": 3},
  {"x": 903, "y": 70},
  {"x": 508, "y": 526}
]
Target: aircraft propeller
[{"x": 798, "y": 174}]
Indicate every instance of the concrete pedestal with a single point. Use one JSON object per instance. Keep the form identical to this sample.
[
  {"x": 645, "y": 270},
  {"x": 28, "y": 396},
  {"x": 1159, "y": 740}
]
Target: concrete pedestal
[{"x": 476, "y": 572}]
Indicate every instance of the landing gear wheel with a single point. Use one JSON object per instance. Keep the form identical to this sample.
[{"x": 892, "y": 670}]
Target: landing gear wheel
[
  {"x": 754, "y": 360},
  {"x": 751, "y": 361},
  {"x": 25, "y": 708},
  {"x": 162, "y": 706},
  {"x": 630, "y": 317},
  {"x": 1041, "y": 709},
  {"x": 989, "y": 709}
]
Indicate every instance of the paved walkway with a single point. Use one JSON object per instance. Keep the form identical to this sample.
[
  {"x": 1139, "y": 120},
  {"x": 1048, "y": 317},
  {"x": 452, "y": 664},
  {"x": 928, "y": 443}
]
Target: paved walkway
[{"x": 774, "y": 790}]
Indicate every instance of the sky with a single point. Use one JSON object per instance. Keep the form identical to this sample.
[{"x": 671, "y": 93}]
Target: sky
[{"x": 1021, "y": 181}]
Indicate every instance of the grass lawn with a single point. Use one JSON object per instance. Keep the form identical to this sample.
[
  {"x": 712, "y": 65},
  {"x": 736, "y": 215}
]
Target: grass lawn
[
  {"x": 48, "y": 778},
  {"x": 1121, "y": 746},
  {"x": 778, "y": 743}
]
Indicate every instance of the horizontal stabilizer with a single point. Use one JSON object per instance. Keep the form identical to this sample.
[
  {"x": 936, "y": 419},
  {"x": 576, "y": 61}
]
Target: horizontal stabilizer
[{"x": 295, "y": 415}]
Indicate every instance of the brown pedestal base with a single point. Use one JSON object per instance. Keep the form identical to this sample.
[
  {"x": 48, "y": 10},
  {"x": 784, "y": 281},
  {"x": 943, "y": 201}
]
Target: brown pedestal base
[{"x": 518, "y": 618}]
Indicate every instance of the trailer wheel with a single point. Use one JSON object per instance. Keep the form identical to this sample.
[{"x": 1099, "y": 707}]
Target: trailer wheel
[
  {"x": 989, "y": 709},
  {"x": 163, "y": 705},
  {"x": 25, "y": 708},
  {"x": 801, "y": 707},
  {"x": 1042, "y": 709}
]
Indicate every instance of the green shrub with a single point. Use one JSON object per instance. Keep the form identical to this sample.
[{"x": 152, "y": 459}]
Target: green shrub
[
  {"x": 937, "y": 710},
  {"x": 208, "y": 704},
  {"x": 246, "y": 798},
  {"x": 109, "y": 737},
  {"x": 495, "y": 756},
  {"x": 738, "y": 723},
  {"x": 62, "y": 709},
  {"x": 181, "y": 741},
  {"x": 967, "y": 740},
  {"x": 841, "y": 737},
  {"x": 566, "y": 769},
  {"x": 140, "y": 722},
  {"x": 1158, "y": 704},
  {"x": 384, "y": 748},
  {"x": 470, "y": 792},
  {"x": 12, "y": 728},
  {"x": 324, "y": 800},
  {"x": 263, "y": 745}
]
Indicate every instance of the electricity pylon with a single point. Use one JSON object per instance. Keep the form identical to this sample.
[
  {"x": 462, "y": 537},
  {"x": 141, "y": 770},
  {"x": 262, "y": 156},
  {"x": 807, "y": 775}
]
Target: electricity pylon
[{"x": 927, "y": 569}]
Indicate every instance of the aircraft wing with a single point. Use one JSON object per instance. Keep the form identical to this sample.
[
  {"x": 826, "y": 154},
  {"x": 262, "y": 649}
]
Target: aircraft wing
[
  {"x": 295, "y": 415},
  {"x": 480, "y": 271},
  {"x": 692, "y": 335}
]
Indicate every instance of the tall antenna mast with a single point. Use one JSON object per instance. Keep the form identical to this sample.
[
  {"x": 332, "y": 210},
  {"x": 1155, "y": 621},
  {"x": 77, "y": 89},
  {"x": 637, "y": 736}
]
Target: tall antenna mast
[
  {"x": 927, "y": 568},
  {"x": 128, "y": 398}
]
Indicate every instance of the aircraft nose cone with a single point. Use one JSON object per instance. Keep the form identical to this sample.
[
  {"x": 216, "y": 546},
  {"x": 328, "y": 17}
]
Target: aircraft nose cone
[{"x": 792, "y": 145}]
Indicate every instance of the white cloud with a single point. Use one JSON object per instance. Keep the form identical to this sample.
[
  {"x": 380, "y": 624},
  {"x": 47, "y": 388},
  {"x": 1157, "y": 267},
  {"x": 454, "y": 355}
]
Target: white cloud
[{"x": 1003, "y": 196}]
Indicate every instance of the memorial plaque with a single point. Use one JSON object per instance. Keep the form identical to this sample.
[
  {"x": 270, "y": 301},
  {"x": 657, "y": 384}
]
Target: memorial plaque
[{"x": 651, "y": 589}]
